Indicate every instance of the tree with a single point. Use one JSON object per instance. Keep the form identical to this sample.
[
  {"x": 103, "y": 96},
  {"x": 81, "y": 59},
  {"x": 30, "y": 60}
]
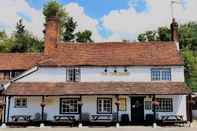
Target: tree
[
  {"x": 68, "y": 29},
  {"x": 67, "y": 24},
  {"x": 164, "y": 34},
  {"x": 84, "y": 37},
  {"x": 148, "y": 36},
  {"x": 188, "y": 43},
  {"x": 23, "y": 41},
  {"x": 20, "y": 28}
]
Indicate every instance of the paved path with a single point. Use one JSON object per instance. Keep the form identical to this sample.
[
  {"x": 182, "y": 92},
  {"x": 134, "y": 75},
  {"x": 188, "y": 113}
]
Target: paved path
[{"x": 103, "y": 129}]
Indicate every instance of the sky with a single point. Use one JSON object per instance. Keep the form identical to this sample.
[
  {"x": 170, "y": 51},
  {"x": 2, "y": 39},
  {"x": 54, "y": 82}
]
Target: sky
[{"x": 109, "y": 20}]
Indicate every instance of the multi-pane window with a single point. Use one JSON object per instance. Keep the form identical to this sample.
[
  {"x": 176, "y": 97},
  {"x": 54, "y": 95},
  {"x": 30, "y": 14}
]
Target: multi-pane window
[
  {"x": 73, "y": 74},
  {"x": 165, "y": 105},
  {"x": 104, "y": 105},
  {"x": 123, "y": 104},
  {"x": 161, "y": 74},
  {"x": 148, "y": 105},
  {"x": 20, "y": 102},
  {"x": 69, "y": 105},
  {"x": 7, "y": 75}
]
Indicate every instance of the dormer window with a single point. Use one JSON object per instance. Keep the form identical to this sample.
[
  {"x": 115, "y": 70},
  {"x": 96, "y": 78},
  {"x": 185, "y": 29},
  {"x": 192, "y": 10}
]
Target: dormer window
[{"x": 73, "y": 74}]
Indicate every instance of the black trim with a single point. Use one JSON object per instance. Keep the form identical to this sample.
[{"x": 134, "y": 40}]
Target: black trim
[
  {"x": 4, "y": 113},
  {"x": 60, "y": 105},
  {"x": 100, "y": 98},
  {"x": 8, "y": 111}
]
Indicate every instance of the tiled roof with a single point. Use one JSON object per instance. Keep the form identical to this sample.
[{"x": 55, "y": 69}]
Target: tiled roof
[
  {"x": 97, "y": 54},
  {"x": 115, "y": 54},
  {"x": 18, "y": 61},
  {"x": 99, "y": 88}
]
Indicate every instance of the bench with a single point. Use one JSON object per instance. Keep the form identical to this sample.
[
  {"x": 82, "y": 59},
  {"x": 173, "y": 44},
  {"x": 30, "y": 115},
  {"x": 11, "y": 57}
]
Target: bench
[
  {"x": 65, "y": 118},
  {"x": 101, "y": 118},
  {"x": 173, "y": 119},
  {"x": 21, "y": 118}
]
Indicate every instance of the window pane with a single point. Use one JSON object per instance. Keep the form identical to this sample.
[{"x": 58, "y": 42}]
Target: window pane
[
  {"x": 165, "y": 105},
  {"x": 20, "y": 102},
  {"x": 122, "y": 106},
  {"x": 104, "y": 105},
  {"x": 69, "y": 105},
  {"x": 73, "y": 74}
]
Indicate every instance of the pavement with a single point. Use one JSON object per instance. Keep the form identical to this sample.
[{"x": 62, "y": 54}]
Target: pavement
[
  {"x": 127, "y": 128},
  {"x": 121, "y": 128}
]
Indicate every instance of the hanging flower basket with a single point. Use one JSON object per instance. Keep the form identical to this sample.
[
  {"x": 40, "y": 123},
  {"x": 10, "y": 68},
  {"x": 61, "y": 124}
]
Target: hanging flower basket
[{"x": 156, "y": 103}]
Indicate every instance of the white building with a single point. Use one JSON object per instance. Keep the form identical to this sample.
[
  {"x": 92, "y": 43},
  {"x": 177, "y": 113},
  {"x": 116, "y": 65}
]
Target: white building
[{"x": 96, "y": 82}]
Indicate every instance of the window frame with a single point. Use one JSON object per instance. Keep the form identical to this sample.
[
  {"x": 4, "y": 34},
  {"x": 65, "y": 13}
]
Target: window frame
[
  {"x": 103, "y": 98},
  {"x": 125, "y": 101},
  {"x": 60, "y": 106},
  {"x": 148, "y": 105},
  {"x": 161, "y": 108},
  {"x": 21, "y": 101},
  {"x": 161, "y": 72},
  {"x": 76, "y": 70}
]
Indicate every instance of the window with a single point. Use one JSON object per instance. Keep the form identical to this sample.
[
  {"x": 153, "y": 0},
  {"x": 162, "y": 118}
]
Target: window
[
  {"x": 69, "y": 105},
  {"x": 104, "y": 105},
  {"x": 165, "y": 105},
  {"x": 161, "y": 74},
  {"x": 123, "y": 104},
  {"x": 15, "y": 73},
  {"x": 20, "y": 102},
  {"x": 73, "y": 74},
  {"x": 4, "y": 75},
  {"x": 148, "y": 105}
]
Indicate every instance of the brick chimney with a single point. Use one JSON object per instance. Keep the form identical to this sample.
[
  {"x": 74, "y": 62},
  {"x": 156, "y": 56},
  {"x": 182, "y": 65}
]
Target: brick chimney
[
  {"x": 174, "y": 32},
  {"x": 51, "y": 35}
]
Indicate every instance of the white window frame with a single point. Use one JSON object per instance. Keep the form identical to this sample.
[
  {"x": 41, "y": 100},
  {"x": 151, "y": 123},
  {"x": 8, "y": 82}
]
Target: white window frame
[
  {"x": 163, "y": 74},
  {"x": 103, "y": 107},
  {"x": 73, "y": 74},
  {"x": 165, "y": 105},
  {"x": 71, "y": 104},
  {"x": 20, "y": 102}
]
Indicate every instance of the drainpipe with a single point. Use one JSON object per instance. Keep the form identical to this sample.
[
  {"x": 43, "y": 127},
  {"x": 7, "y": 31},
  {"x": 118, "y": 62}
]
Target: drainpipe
[
  {"x": 42, "y": 111},
  {"x": 117, "y": 107},
  {"x": 4, "y": 114},
  {"x": 154, "y": 112},
  {"x": 80, "y": 104},
  {"x": 8, "y": 112}
]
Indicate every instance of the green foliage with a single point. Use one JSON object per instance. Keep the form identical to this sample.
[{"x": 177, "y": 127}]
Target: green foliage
[
  {"x": 53, "y": 8},
  {"x": 67, "y": 24},
  {"x": 190, "y": 68},
  {"x": 164, "y": 34},
  {"x": 148, "y": 36},
  {"x": 188, "y": 43},
  {"x": 20, "y": 41},
  {"x": 84, "y": 37},
  {"x": 142, "y": 37},
  {"x": 68, "y": 29}
]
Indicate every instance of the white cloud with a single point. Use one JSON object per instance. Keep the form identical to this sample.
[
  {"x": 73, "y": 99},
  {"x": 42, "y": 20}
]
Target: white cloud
[
  {"x": 9, "y": 17},
  {"x": 84, "y": 22},
  {"x": 122, "y": 24},
  {"x": 130, "y": 22}
]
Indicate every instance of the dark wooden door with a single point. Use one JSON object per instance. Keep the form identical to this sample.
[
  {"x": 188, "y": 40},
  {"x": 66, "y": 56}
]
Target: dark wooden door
[{"x": 137, "y": 110}]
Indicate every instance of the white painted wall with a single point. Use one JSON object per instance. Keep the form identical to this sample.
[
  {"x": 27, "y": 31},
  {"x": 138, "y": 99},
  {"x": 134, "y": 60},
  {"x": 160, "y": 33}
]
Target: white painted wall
[
  {"x": 95, "y": 74},
  {"x": 194, "y": 113},
  {"x": 89, "y": 105}
]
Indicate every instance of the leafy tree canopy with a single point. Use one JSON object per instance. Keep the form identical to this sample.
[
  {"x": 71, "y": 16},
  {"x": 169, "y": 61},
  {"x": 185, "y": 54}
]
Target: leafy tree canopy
[{"x": 188, "y": 43}]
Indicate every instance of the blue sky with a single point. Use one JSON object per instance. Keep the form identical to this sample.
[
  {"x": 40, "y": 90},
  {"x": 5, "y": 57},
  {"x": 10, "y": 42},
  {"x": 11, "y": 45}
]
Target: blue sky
[
  {"x": 97, "y": 8},
  {"x": 109, "y": 20}
]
